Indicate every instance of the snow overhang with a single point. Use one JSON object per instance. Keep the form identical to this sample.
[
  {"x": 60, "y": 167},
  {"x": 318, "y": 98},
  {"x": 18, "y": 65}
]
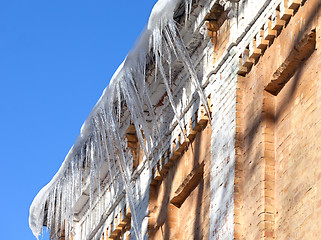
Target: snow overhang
[{"x": 163, "y": 13}]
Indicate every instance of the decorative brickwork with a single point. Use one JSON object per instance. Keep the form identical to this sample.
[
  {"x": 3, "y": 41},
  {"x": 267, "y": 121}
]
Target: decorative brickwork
[
  {"x": 238, "y": 180},
  {"x": 179, "y": 198},
  {"x": 132, "y": 143},
  {"x": 249, "y": 167},
  {"x": 278, "y": 128}
]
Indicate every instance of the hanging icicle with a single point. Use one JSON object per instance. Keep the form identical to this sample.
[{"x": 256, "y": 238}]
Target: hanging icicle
[{"x": 100, "y": 139}]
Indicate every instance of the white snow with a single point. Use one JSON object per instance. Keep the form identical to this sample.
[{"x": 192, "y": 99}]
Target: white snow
[{"x": 100, "y": 139}]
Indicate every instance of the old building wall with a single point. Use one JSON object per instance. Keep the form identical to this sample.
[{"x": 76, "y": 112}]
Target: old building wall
[
  {"x": 296, "y": 155},
  {"x": 223, "y": 155},
  {"x": 279, "y": 125},
  {"x": 249, "y": 173},
  {"x": 243, "y": 19},
  {"x": 180, "y": 200}
]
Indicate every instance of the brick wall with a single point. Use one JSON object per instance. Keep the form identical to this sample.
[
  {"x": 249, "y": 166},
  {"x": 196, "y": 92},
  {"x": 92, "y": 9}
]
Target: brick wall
[
  {"x": 279, "y": 143},
  {"x": 180, "y": 200},
  {"x": 252, "y": 173},
  {"x": 223, "y": 159}
]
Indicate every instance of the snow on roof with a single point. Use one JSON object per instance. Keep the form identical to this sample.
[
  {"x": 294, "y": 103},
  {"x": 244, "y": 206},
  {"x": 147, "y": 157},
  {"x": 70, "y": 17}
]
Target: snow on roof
[{"x": 160, "y": 26}]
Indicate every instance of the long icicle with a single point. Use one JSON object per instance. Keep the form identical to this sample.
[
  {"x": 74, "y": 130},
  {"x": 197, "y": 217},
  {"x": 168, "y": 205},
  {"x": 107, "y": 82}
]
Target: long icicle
[
  {"x": 183, "y": 54},
  {"x": 121, "y": 158},
  {"x": 130, "y": 86},
  {"x": 170, "y": 97}
]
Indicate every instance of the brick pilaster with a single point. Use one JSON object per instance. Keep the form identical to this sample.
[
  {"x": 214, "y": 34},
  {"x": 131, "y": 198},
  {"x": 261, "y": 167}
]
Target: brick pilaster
[{"x": 267, "y": 213}]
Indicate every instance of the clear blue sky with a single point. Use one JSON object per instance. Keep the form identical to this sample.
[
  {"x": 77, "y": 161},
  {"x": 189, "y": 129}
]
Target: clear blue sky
[{"x": 56, "y": 57}]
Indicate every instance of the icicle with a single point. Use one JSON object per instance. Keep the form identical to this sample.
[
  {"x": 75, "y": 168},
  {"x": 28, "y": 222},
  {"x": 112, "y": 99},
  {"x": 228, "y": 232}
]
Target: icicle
[
  {"x": 119, "y": 102},
  {"x": 67, "y": 205},
  {"x": 183, "y": 54},
  {"x": 92, "y": 181},
  {"x": 137, "y": 117},
  {"x": 97, "y": 140},
  {"x": 58, "y": 209},
  {"x": 188, "y": 8},
  {"x": 103, "y": 121},
  {"x": 100, "y": 138},
  {"x": 50, "y": 211},
  {"x": 121, "y": 158},
  {"x": 170, "y": 97}
]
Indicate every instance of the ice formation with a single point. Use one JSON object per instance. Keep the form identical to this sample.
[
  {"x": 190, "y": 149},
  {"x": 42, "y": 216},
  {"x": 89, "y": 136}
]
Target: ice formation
[{"x": 100, "y": 140}]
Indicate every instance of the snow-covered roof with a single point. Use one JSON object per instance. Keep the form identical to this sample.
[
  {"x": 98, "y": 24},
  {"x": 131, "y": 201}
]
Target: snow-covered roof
[{"x": 99, "y": 138}]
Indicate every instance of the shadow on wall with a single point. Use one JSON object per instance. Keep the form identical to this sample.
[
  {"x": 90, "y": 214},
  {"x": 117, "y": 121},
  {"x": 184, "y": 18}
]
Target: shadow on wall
[
  {"x": 163, "y": 221},
  {"x": 297, "y": 72},
  {"x": 179, "y": 203}
]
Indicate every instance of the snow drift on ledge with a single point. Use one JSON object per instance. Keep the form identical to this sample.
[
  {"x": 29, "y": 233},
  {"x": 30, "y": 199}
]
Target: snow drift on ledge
[{"x": 100, "y": 140}]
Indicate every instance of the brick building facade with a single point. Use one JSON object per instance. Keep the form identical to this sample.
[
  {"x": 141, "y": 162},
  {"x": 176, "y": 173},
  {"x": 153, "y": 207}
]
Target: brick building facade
[{"x": 243, "y": 165}]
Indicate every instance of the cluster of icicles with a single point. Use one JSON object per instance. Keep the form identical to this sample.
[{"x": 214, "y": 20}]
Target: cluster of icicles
[{"x": 100, "y": 140}]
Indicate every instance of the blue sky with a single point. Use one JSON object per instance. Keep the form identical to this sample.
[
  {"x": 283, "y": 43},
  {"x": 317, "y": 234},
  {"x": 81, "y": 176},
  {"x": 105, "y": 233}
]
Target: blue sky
[{"x": 56, "y": 57}]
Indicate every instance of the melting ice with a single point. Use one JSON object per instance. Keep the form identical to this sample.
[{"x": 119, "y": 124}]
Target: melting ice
[{"x": 100, "y": 139}]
